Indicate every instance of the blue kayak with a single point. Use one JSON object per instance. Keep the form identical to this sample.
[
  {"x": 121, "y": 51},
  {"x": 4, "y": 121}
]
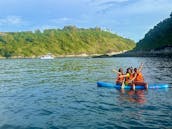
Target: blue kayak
[{"x": 113, "y": 85}]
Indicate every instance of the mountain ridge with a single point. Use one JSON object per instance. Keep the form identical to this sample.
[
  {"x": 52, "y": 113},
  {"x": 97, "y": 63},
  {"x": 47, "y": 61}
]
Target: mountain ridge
[
  {"x": 67, "y": 41},
  {"x": 157, "y": 38}
]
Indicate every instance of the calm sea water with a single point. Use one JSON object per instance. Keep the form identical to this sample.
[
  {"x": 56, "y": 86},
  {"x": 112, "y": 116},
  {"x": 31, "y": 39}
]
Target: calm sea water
[{"x": 62, "y": 93}]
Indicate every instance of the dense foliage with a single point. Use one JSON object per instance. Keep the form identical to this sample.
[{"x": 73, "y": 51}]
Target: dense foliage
[
  {"x": 69, "y": 40},
  {"x": 158, "y": 37}
]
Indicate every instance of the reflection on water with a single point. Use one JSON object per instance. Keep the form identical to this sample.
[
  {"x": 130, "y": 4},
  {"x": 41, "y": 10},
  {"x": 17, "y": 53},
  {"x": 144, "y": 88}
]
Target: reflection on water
[{"x": 136, "y": 96}]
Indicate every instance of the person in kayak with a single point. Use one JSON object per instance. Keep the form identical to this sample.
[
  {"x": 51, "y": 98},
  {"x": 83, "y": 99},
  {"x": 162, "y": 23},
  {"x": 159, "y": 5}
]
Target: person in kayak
[
  {"x": 129, "y": 78},
  {"x": 138, "y": 77},
  {"x": 120, "y": 78},
  {"x": 125, "y": 79}
]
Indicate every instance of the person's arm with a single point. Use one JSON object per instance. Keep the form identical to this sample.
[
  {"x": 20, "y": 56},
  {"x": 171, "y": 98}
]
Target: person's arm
[
  {"x": 116, "y": 71},
  {"x": 126, "y": 75},
  {"x": 140, "y": 68},
  {"x": 133, "y": 78}
]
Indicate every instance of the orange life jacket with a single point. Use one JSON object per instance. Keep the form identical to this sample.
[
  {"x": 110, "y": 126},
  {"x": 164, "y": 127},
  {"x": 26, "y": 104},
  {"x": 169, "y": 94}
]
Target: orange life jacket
[
  {"x": 131, "y": 76},
  {"x": 119, "y": 79},
  {"x": 139, "y": 77}
]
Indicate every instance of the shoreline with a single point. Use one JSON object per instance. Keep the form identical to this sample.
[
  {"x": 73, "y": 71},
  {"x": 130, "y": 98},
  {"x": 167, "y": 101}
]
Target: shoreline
[
  {"x": 162, "y": 52},
  {"x": 65, "y": 56},
  {"x": 107, "y": 55}
]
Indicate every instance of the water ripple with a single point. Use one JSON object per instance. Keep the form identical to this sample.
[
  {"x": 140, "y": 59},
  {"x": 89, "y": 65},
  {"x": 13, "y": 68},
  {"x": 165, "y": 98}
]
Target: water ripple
[{"x": 62, "y": 93}]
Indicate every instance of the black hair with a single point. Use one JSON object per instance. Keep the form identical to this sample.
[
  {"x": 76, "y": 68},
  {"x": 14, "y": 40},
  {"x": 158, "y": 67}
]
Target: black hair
[
  {"x": 135, "y": 69},
  {"x": 128, "y": 70},
  {"x": 120, "y": 70}
]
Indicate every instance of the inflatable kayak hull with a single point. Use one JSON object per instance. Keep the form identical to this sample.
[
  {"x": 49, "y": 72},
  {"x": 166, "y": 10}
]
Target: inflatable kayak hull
[{"x": 113, "y": 85}]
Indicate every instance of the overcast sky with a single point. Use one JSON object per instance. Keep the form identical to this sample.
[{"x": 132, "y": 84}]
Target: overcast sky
[{"x": 128, "y": 18}]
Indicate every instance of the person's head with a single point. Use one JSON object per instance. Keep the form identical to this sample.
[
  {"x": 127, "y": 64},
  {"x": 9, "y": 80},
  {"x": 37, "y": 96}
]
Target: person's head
[
  {"x": 131, "y": 68},
  {"x": 120, "y": 70},
  {"x": 135, "y": 70},
  {"x": 128, "y": 70}
]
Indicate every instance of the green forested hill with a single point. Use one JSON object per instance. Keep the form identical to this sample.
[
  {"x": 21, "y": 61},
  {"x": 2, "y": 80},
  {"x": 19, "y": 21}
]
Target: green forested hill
[
  {"x": 69, "y": 40},
  {"x": 158, "y": 37}
]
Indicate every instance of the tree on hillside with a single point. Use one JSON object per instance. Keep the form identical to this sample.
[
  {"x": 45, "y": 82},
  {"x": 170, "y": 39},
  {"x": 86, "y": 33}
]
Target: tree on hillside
[
  {"x": 69, "y": 40},
  {"x": 158, "y": 37}
]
